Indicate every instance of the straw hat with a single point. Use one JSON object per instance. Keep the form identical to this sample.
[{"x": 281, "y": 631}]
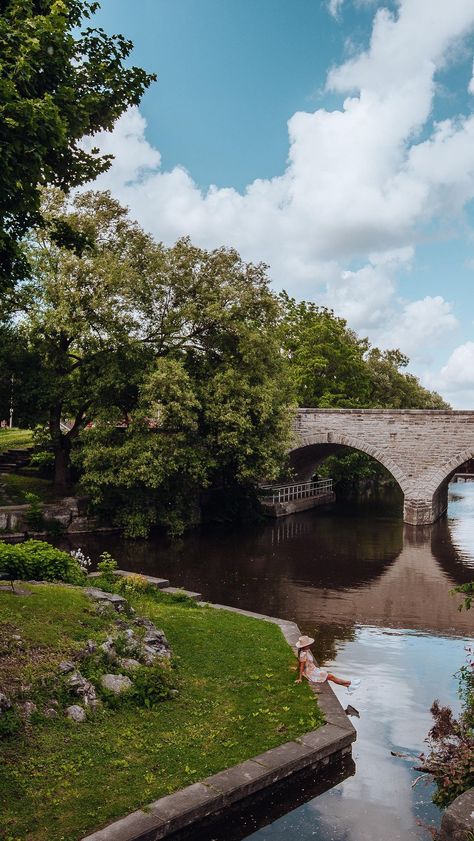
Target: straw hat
[{"x": 304, "y": 641}]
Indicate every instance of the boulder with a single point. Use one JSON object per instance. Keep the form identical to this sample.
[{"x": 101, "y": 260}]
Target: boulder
[
  {"x": 76, "y": 713},
  {"x": 116, "y": 683},
  {"x": 82, "y": 687},
  {"x": 66, "y": 666},
  {"x": 128, "y": 663}
]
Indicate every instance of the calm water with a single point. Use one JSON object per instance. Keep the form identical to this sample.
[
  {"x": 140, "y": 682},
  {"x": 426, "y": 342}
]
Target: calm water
[{"x": 374, "y": 594}]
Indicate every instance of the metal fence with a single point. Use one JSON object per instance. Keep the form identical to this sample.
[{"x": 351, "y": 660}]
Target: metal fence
[{"x": 302, "y": 490}]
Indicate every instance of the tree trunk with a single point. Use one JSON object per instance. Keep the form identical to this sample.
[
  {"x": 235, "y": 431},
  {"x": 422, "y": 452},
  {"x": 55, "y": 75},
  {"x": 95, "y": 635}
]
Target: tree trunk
[{"x": 62, "y": 465}]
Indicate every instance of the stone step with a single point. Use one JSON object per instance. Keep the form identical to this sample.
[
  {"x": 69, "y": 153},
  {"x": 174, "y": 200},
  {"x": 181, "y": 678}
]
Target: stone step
[{"x": 189, "y": 593}]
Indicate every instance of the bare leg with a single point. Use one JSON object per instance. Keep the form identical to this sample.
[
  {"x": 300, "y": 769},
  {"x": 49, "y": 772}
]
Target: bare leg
[{"x": 339, "y": 680}]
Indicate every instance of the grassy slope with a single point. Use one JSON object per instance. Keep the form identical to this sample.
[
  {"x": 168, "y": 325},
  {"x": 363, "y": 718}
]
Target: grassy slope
[
  {"x": 237, "y": 698},
  {"x": 15, "y": 439},
  {"x": 18, "y": 484}
]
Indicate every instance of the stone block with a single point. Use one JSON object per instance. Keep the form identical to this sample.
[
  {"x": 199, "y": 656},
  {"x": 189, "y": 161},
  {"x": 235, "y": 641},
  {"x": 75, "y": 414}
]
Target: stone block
[
  {"x": 138, "y": 826},
  {"x": 186, "y": 806},
  {"x": 240, "y": 780}
]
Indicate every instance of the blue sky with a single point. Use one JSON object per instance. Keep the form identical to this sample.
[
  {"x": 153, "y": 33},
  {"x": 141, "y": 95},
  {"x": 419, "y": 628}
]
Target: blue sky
[{"x": 372, "y": 212}]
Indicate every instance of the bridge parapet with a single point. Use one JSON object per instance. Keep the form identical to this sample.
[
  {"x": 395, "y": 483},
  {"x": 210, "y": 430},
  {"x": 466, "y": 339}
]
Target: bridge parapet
[{"x": 421, "y": 448}]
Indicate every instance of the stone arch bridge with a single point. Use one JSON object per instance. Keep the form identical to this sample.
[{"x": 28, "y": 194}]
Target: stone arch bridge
[{"x": 422, "y": 449}]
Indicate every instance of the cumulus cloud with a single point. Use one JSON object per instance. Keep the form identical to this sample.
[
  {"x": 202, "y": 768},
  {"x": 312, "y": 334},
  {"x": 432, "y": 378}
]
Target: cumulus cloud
[
  {"x": 361, "y": 184},
  {"x": 456, "y": 378},
  {"x": 334, "y": 7}
]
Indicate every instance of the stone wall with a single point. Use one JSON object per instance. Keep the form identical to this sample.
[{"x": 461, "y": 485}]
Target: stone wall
[
  {"x": 421, "y": 448},
  {"x": 70, "y": 512}
]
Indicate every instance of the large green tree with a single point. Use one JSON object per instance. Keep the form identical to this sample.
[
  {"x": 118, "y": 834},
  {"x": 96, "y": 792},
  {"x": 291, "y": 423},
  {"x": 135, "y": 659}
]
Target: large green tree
[
  {"x": 331, "y": 366},
  {"x": 60, "y": 80},
  {"x": 171, "y": 353}
]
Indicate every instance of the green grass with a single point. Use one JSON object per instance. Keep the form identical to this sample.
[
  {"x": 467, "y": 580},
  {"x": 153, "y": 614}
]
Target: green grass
[
  {"x": 15, "y": 439},
  {"x": 18, "y": 484},
  {"x": 237, "y": 698}
]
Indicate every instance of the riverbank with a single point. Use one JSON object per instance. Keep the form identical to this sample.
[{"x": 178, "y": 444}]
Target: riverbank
[{"x": 236, "y": 698}]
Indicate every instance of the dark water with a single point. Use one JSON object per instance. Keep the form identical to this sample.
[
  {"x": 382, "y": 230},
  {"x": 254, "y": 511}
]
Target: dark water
[{"x": 375, "y": 595}]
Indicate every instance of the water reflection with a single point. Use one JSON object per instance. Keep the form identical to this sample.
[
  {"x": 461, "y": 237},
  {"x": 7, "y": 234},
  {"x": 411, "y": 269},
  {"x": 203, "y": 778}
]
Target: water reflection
[{"x": 356, "y": 579}]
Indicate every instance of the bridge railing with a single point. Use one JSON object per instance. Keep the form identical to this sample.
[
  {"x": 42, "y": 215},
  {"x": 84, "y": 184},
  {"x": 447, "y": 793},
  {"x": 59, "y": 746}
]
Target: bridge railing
[{"x": 299, "y": 490}]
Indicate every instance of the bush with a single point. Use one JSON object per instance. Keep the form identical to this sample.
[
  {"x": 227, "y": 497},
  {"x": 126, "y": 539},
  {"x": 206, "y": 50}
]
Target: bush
[
  {"x": 152, "y": 684},
  {"x": 34, "y": 516},
  {"x": 44, "y": 462},
  {"x": 107, "y": 566},
  {"x": 133, "y": 583},
  {"x": 37, "y": 560}
]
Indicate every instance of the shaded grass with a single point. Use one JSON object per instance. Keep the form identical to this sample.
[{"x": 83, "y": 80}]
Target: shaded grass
[
  {"x": 237, "y": 698},
  {"x": 18, "y": 484},
  {"x": 15, "y": 439}
]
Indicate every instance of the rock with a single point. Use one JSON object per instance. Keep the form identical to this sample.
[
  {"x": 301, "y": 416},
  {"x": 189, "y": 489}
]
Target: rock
[
  {"x": 28, "y": 708},
  {"x": 76, "y": 713},
  {"x": 66, "y": 666},
  {"x": 5, "y": 703},
  {"x": 117, "y": 602},
  {"x": 174, "y": 693},
  {"x": 16, "y": 637},
  {"x": 116, "y": 683},
  {"x": 128, "y": 663},
  {"x": 50, "y": 712},
  {"x": 108, "y": 648},
  {"x": 350, "y": 710},
  {"x": 82, "y": 687},
  {"x": 91, "y": 646}
]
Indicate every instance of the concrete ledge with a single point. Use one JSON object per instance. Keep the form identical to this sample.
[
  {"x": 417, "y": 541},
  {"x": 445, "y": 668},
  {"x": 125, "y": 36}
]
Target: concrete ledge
[
  {"x": 216, "y": 795},
  {"x": 457, "y": 823}
]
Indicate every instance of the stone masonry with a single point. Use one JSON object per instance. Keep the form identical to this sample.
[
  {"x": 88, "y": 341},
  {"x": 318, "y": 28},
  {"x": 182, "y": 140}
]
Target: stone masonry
[{"x": 421, "y": 448}]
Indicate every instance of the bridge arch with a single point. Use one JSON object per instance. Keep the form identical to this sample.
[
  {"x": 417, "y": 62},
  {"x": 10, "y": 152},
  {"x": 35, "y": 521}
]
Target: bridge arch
[{"x": 322, "y": 445}]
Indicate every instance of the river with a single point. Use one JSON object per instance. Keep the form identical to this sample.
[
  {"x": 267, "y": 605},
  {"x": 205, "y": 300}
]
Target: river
[{"x": 374, "y": 593}]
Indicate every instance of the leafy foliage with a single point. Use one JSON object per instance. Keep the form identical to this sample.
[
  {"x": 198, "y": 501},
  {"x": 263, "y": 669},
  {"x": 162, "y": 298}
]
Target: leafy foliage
[
  {"x": 59, "y": 83},
  {"x": 37, "y": 560},
  {"x": 171, "y": 354},
  {"x": 451, "y": 740}
]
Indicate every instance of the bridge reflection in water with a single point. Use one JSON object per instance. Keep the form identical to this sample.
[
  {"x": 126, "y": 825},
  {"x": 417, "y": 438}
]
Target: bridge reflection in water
[{"x": 356, "y": 579}]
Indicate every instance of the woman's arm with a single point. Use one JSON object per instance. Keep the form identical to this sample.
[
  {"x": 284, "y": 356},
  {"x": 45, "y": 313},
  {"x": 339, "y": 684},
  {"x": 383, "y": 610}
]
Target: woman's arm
[{"x": 300, "y": 671}]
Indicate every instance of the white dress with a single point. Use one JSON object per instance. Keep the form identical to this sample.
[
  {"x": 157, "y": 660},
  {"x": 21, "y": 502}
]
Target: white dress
[{"x": 311, "y": 671}]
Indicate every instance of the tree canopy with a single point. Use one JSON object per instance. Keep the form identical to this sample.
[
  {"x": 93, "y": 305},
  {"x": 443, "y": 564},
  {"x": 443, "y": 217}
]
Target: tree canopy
[
  {"x": 332, "y": 367},
  {"x": 171, "y": 353},
  {"x": 58, "y": 83}
]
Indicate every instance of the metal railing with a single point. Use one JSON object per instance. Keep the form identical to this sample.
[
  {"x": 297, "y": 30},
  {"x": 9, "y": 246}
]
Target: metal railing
[{"x": 301, "y": 490}]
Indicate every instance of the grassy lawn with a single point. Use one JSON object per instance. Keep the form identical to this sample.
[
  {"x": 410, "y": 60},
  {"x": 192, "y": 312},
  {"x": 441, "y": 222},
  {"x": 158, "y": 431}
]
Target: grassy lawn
[
  {"x": 15, "y": 439},
  {"x": 237, "y": 698},
  {"x": 18, "y": 484}
]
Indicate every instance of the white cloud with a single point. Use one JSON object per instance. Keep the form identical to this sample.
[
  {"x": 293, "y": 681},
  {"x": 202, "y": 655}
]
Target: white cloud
[
  {"x": 420, "y": 326},
  {"x": 360, "y": 185},
  {"x": 334, "y": 7},
  {"x": 456, "y": 378}
]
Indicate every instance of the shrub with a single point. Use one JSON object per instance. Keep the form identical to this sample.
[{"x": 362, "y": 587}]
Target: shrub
[
  {"x": 44, "y": 462},
  {"x": 38, "y": 560},
  {"x": 34, "y": 516},
  {"x": 107, "y": 566},
  {"x": 152, "y": 684},
  {"x": 133, "y": 583}
]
